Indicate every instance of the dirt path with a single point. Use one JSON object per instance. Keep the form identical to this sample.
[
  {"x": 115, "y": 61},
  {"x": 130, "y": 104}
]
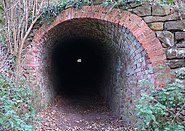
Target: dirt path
[{"x": 79, "y": 114}]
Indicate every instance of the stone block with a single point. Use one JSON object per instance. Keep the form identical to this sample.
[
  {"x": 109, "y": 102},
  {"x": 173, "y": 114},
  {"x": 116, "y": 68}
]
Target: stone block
[
  {"x": 176, "y": 63},
  {"x": 179, "y": 35},
  {"x": 181, "y": 44},
  {"x": 149, "y": 19},
  {"x": 175, "y": 25},
  {"x": 160, "y": 10},
  {"x": 134, "y": 4},
  {"x": 166, "y": 37},
  {"x": 142, "y": 10},
  {"x": 156, "y": 26},
  {"x": 177, "y": 53}
]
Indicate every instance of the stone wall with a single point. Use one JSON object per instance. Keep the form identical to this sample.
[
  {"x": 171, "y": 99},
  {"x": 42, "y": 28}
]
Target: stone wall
[{"x": 169, "y": 25}]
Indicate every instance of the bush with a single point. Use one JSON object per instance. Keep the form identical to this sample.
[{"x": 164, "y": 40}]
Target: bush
[
  {"x": 162, "y": 110},
  {"x": 16, "y": 111}
]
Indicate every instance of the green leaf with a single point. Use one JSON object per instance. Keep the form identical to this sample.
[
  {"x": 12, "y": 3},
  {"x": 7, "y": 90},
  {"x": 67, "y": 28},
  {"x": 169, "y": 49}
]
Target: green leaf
[
  {"x": 153, "y": 118},
  {"x": 2, "y": 81},
  {"x": 1, "y": 120},
  {"x": 156, "y": 129}
]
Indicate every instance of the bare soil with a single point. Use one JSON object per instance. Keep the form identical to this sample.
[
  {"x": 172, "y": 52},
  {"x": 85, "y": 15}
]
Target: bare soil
[{"x": 82, "y": 113}]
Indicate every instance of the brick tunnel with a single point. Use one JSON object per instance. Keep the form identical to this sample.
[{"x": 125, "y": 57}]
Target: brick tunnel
[{"x": 95, "y": 54}]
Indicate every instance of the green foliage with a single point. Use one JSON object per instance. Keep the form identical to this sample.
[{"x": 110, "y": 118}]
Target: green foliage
[
  {"x": 1, "y": 38},
  {"x": 162, "y": 110},
  {"x": 53, "y": 9},
  {"x": 180, "y": 74},
  {"x": 165, "y": 1},
  {"x": 16, "y": 111}
]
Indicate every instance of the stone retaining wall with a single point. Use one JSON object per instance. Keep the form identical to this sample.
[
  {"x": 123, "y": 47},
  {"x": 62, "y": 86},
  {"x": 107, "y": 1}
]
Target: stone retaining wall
[{"x": 169, "y": 26}]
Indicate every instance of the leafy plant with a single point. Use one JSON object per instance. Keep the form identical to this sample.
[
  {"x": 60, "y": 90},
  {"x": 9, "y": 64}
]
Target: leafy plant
[
  {"x": 16, "y": 111},
  {"x": 53, "y": 9},
  {"x": 162, "y": 110}
]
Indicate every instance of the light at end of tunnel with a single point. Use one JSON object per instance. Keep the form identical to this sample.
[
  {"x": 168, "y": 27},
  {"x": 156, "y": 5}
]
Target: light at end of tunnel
[{"x": 79, "y": 60}]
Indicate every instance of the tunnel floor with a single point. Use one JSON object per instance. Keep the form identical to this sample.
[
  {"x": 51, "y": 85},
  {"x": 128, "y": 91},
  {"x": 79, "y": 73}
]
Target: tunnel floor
[{"x": 82, "y": 113}]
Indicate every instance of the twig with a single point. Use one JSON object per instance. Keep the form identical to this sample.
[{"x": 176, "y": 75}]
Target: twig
[
  {"x": 177, "y": 114},
  {"x": 12, "y": 6}
]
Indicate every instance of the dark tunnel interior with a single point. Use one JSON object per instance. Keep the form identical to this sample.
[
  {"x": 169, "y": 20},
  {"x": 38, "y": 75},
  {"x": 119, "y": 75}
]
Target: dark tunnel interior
[{"x": 79, "y": 66}]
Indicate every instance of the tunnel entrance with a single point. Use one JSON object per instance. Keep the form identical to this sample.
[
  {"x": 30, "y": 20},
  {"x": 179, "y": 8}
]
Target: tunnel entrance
[
  {"x": 91, "y": 59},
  {"x": 79, "y": 66},
  {"x": 94, "y": 57}
]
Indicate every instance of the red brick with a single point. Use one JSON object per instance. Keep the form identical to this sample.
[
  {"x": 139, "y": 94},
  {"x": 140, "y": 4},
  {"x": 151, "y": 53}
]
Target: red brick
[
  {"x": 41, "y": 40},
  {"x": 56, "y": 22},
  {"x": 135, "y": 18},
  {"x": 147, "y": 40},
  {"x": 62, "y": 16},
  {"x": 158, "y": 63},
  {"x": 79, "y": 13},
  {"x": 72, "y": 13},
  {"x": 107, "y": 17},
  {"x": 145, "y": 43},
  {"x": 134, "y": 28},
  {"x": 85, "y": 13},
  {"x": 75, "y": 13},
  {"x": 97, "y": 15},
  {"x": 116, "y": 17},
  {"x": 37, "y": 36},
  {"x": 111, "y": 15},
  {"x": 165, "y": 75},
  {"x": 115, "y": 13},
  {"x": 124, "y": 17},
  {"x": 40, "y": 32},
  {"x": 159, "y": 71},
  {"x": 44, "y": 27},
  {"x": 35, "y": 41},
  {"x": 156, "y": 52},
  {"x": 159, "y": 83},
  {"x": 148, "y": 31},
  {"x": 69, "y": 14},
  {"x": 96, "y": 10},
  {"x": 35, "y": 50},
  {"x": 91, "y": 13},
  {"x": 103, "y": 12},
  {"x": 119, "y": 16},
  {"x": 142, "y": 24},
  {"x": 153, "y": 45},
  {"x": 158, "y": 58},
  {"x": 129, "y": 24},
  {"x": 142, "y": 29}
]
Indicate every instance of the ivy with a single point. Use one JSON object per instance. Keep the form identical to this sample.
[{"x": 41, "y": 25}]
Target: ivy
[
  {"x": 53, "y": 9},
  {"x": 162, "y": 110},
  {"x": 16, "y": 110}
]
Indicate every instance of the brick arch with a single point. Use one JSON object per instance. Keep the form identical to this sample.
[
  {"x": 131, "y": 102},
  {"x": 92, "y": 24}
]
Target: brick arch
[
  {"x": 142, "y": 34},
  {"x": 136, "y": 25}
]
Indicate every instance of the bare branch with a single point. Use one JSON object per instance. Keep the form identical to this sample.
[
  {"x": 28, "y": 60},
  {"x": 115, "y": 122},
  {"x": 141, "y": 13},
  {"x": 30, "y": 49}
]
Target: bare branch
[{"x": 16, "y": 23}]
